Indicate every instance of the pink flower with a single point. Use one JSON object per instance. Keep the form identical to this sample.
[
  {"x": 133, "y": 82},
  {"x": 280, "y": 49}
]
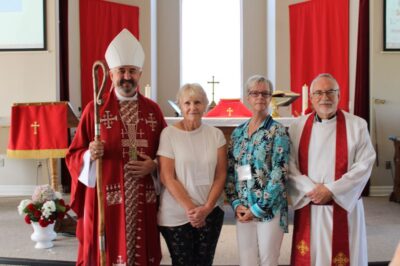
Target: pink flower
[{"x": 43, "y": 193}]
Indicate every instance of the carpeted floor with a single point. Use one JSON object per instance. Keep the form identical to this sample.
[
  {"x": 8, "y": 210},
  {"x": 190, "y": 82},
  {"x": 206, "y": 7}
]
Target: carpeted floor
[{"x": 16, "y": 247}]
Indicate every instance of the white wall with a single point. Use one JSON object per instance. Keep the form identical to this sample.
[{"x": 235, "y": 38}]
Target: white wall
[
  {"x": 384, "y": 84},
  {"x": 29, "y": 76}
]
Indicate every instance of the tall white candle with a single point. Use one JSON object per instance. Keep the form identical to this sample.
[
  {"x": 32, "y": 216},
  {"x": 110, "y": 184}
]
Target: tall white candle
[
  {"x": 305, "y": 98},
  {"x": 147, "y": 91}
]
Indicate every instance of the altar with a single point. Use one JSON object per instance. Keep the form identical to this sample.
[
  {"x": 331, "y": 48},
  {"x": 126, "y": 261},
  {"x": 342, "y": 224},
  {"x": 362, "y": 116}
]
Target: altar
[{"x": 228, "y": 124}]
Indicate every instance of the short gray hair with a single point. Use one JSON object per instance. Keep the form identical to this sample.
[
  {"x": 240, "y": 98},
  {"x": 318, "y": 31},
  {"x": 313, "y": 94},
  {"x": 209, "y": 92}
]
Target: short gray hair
[
  {"x": 191, "y": 89},
  {"x": 324, "y": 75},
  {"x": 257, "y": 79}
]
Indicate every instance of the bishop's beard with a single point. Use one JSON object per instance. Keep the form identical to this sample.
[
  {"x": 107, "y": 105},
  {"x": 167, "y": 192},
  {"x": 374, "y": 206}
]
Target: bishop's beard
[{"x": 128, "y": 89}]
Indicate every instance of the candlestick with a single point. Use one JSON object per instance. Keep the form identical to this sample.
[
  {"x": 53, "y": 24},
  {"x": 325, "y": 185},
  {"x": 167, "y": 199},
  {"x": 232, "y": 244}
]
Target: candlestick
[
  {"x": 147, "y": 91},
  {"x": 304, "y": 98}
]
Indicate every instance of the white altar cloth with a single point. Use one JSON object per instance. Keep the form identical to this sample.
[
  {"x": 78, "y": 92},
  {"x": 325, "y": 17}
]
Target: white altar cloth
[{"x": 227, "y": 121}]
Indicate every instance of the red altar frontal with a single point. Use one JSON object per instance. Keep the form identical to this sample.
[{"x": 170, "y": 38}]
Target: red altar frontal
[{"x": 229, "y": 108}]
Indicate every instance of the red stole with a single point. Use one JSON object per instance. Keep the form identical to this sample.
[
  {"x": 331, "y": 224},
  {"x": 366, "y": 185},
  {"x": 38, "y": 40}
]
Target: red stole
[{"x": 301, "y": 248}]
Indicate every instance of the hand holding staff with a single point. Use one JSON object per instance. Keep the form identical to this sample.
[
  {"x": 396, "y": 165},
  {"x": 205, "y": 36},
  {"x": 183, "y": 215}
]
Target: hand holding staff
[{"x": 97, "y": 103}]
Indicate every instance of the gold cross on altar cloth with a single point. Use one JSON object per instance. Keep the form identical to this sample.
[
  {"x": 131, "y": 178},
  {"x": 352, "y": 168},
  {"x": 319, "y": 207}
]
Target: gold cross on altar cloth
[
  {"x": 213, "y": 82},
  {"x": 108, "y": 119},
  {"x": 229, "y": 111},
  {"x": 35, "y": 126},
  {"x": 302, "y": 247}
]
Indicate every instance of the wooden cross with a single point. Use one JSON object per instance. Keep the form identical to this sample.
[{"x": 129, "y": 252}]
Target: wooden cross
[
  {"x": 229, "y": 111},
  {"x": 213, "y": 82},
  {"x": 35, "y": 127},
  {"x": 108, "y": 119}
]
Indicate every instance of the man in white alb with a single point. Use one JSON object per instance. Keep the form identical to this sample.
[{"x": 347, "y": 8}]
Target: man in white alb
[{"x": 331, "y": 161}]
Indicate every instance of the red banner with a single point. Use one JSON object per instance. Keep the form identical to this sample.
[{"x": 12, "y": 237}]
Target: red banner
[
  {"x": 38, "y": 131},
  {"x": 100, "y": 22},
  {"x": 229, "y": 108},
  {"x": 319, "y": 43}
]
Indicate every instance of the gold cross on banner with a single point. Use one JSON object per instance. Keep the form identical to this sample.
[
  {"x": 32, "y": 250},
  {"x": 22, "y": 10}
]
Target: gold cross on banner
[
  {"x": 35, "y": 127},
  {"x": 213, "y": 82},
  {"x": 229, "y": 111}
]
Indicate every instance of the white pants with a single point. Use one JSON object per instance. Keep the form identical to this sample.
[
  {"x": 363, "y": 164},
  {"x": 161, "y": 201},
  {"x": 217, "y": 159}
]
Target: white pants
[{"x": 259, "y": 242}]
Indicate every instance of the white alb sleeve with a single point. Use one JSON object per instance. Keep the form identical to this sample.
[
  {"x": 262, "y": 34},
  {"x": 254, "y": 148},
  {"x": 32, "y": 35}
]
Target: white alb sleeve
[{"x": 88, "y": 173}]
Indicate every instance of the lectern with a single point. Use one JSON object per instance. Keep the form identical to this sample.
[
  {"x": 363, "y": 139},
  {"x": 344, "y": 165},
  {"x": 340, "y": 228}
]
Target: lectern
[
  {"x": 395, "y": 196},
  {"x": 39, "y": 131}
]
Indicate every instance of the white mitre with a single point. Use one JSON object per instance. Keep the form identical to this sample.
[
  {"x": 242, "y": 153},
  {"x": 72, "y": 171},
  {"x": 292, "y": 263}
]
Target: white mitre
[{"x": 124, "y": 50}]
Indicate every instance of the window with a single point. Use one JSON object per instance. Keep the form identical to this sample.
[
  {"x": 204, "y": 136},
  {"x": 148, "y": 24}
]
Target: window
[{"x": 211, "y": 46}]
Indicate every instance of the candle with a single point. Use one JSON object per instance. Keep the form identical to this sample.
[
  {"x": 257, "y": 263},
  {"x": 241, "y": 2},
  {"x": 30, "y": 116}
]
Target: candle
[
  {"x": 305, "y": 98},
  {"x": 147, "y": 91}
]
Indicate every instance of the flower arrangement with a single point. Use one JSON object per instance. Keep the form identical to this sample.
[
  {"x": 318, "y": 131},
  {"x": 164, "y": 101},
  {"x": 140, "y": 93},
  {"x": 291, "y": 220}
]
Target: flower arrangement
[{"x": 45, "y": 207}]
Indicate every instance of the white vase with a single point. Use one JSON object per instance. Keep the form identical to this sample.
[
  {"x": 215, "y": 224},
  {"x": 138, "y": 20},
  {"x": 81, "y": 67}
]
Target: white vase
[{"x": 43, "y": 236}]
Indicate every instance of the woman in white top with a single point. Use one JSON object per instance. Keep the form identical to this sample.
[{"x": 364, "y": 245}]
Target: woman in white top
[{"x": 193, "y": 161}]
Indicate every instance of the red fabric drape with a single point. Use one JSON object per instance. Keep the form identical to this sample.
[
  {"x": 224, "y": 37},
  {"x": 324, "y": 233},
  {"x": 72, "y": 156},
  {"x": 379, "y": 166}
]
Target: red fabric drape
[
  {"x": 229, "y": 108},
  {"x": 38, "y": 131},
  {"x": 319, "y": 43},
  {"x": 361, "y": 99},
  {"x": 361, "y": 96},
  {"x": 100, "y": 22}
]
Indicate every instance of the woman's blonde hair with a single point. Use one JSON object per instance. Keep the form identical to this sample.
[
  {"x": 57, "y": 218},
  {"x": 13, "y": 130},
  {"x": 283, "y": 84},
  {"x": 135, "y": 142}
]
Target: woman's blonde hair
[{"x": 191, "y": 89}]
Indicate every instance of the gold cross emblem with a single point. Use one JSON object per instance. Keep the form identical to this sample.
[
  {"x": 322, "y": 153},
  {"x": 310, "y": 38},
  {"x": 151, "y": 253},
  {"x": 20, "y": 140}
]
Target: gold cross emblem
[
  {"x": 302, "y": 247},
  {"x": 229, "y": 111},
  {"x": 340, "y": 259},
  {"x": 35, "y": 127}
]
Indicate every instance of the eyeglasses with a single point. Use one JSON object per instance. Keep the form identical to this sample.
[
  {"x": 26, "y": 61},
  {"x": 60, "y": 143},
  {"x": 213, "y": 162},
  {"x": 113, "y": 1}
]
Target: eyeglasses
[
  {"x": 329, "y": 93},
  {"x": 255, "y": 94}
]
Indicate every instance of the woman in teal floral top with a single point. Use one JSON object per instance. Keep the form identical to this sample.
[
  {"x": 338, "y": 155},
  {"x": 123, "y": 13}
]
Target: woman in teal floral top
[{"x": 256, "y": 183}]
